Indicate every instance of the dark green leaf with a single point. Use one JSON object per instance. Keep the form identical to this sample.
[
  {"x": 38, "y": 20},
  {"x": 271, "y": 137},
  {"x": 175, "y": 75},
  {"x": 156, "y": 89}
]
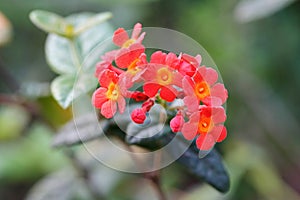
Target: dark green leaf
[
  {"x": 209, "y": 169},
  {"x": 81, "y": 129}
]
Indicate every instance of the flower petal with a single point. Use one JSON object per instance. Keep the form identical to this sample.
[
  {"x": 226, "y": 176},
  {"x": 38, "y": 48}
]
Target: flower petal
[
  {"x": 192, "y": 103},
  {"x": 211, "y": 76},
  {"x": 168, "y": 93},
  {"x": 121, "y": 104},
  {"x": 158, "y": 57},
  {"x": 108, "y": 109},
  {"x": 188, "y": 86},
  {"x": 205, "y": 142},
  {"x": 218, "y": 115},
  {"x": 99, "y": 97},
  {"x": 120, "y": 37},
  {"x": 151, "y": 89},
  {"x": 108, "y": 76},
  {"x": 136, "y": 31},
  {"x": 212, "y": 101},
  {"x": 218, "y": 90},
  {"x": 219, "y": 133},
  {"x": 189, "y": 130}
]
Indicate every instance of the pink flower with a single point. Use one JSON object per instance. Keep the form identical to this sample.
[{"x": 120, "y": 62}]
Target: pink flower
[
  {"x": 138, "y": 115},
  {"x": 160, "y": 75},
  {"x": 177, "y": 122},
  {"x": 206, "y": 125},
  {"x": 203, "y": 87},
  {"x": 109, "y": 94},
  {"x": 122, "y": 39}
]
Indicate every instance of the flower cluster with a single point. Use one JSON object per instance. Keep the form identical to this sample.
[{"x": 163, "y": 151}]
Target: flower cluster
[{"x": 165, "y": 78}]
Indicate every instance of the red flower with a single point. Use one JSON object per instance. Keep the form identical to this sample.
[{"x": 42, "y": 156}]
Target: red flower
[
  {"x": 207, "y": 125},
  {"x": 160, "y": 75},
  {"x": 203, "y": 87},
  {"x": 122, "y": 39},
  {"x": 109, "y": 94}
]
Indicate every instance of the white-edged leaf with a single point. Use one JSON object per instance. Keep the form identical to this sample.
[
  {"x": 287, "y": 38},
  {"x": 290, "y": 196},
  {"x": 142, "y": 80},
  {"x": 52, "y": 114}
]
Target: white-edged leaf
[
  {"x": 93, "y": 21},
  {"x": 49, "y": 22},
  {"x": 66, "y": 88}
]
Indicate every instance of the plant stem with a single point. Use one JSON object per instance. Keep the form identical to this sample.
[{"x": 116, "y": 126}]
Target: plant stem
[{"x": 154, "y": 178}]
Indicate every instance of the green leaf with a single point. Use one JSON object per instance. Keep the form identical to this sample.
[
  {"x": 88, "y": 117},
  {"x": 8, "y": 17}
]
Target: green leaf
[
  {"x": 209, "y": 169},
  {"x": 50, "y": 22},
  {"x": 81, "y": 129},
  {"x": 66, "y": 88},
  {"x": 93, "y": 21},
  {"x": 66, "y": 56}
]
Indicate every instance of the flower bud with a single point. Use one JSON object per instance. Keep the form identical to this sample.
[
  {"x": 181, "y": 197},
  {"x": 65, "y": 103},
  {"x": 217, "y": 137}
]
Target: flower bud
[
  {"x": 139, "y": 96},
  {"x": 176, "y": 123},
  {"x": 138, "y": 115}
]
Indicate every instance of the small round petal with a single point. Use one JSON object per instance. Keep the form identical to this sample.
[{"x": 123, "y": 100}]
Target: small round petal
[
  {"x": 99, "y": 97},
  {"x": 192, "y": 103},
  {"x": 168, "y": 93},
  {"x": 205, "y": 142},
  {"x": 189, "y": 130},
  {"x": 151, "y": 89},
  {"x": 219, "y": 133},
  {"x": 211, "y": 76},
  {"x": 218, "y": 115},
  {"x": 176, "y": 123},
  {"x": 218, "y": 90},
  {"x": 109, "y": 109},
  {"x": 158, "y": 57},
  {"x": 212, "y": 101},
  {"x": 120, "y": 37},
  {"x": 138, "y": 115},
  {"x": 108, "y": 76}
]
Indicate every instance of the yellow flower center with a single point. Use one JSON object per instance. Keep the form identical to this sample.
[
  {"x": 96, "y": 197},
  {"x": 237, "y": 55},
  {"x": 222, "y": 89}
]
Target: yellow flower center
[
  {"x": 202, "y": 90},
  {"x": 132, "y": 68},
  {"x": 164, "y": 76},
  {"x": 205, "y": 125},
  {"x": 128, "y": 43},
  {"x": 112, "y": 92}
]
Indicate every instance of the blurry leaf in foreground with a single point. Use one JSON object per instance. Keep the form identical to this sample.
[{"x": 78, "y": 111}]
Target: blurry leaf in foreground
[
  {"x": 209, "y": 169},
  {"x": 81, "y": 129},
  {"x": 11, "y": 129},
  {"x": 30, "y": 157},
  {"x": 50, "y": 22},
  {"x": 5, "y": 30},
  {"x": 61, "y": 185},
  {"x": 250, "y": 10}
]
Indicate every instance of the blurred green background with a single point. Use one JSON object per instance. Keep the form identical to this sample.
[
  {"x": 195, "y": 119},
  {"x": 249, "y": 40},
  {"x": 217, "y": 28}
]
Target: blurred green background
[{"x": 256, "y": 45}]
